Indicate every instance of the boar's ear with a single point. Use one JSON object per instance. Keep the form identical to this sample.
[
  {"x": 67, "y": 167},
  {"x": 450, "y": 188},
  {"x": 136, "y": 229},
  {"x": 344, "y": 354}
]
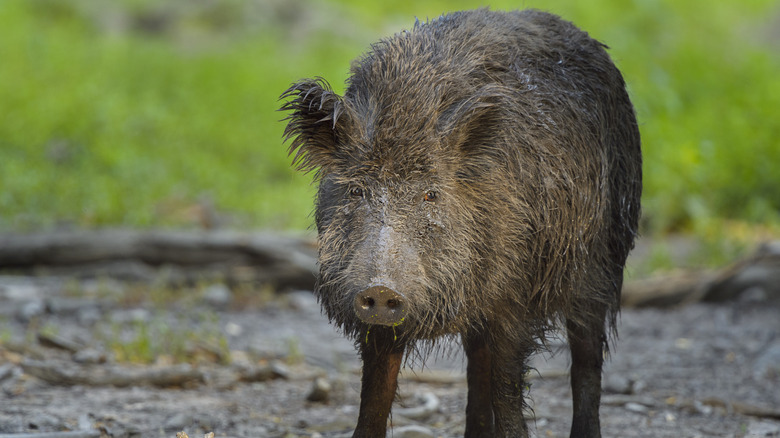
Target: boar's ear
[
  {"x": 313, "y": 124},
  {"x": 471, "y": 122}
]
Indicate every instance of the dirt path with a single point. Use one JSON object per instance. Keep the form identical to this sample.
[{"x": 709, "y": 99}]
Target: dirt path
[{"x": 697, "y": 371}]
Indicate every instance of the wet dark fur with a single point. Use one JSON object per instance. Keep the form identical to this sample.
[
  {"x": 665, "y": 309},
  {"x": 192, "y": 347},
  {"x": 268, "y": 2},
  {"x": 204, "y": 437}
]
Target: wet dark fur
[{"x": 520, "y": 127}]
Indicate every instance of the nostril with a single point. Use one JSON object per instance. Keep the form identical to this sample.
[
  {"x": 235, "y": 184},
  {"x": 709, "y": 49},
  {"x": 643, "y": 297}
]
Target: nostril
[
  {"x": 392, "y": 303},
  {"x": 368, "y": 302}
]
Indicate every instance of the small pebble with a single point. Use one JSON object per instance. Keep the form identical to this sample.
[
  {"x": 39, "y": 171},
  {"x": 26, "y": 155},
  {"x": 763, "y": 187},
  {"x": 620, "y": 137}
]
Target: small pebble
[
  {"x": 6, "y": 371},
  {"x": 218, "y": 296},
  {"x": 274, "y": 370},
  {"x": 30, "y": 310},
  {"x": 44, "y": 421},
  {"x": 617, "y": 384},
  {"x": 320, "y": 390},
  {"x": 90, "y": 356},
  {"x": 763, "y": 428},
  {"x": 412, "y": 431},
  {"x": 636, "y": 407},
  {"x": 84, "y": 422},
  {"x": 702, "y": 408},
  {"x": 233, "y": 329},
  {"x": 178, "y": 421},
  {"x": 426, "y": 404},
  {"x": 767, "y": 364}
]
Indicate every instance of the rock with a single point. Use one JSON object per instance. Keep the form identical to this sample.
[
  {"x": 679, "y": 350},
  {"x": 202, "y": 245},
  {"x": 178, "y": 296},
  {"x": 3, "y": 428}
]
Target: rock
[
  {"x": 218, "y": 296},
  {"x": 702, "y": 408},
  {"x": 275, "y": 370},
  {"x": 30, "y": 310},
  {"x": 636, "y": 407},
  {"x": 428, "y": 404},
  {"x": 233, "y": 329},
  {"x": 178, "y": 421},
  {"x": 617, "y": 384},
  {"x": 767, "y": 364},
  {"x": 762, "y": 429},
  {"x": 90, "y": 356},
  {"x": 43, "y": 421},
  {"x": 112, "y": 427},
  {"x": 320, "y": 390},
  {"x": 6, "y": 371},
  {"x": 84, "y": 422},
  {"x": 412, "y": 431}
]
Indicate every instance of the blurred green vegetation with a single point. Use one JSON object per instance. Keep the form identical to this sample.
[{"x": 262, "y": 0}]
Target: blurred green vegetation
[{"x": 144, "y": 113}]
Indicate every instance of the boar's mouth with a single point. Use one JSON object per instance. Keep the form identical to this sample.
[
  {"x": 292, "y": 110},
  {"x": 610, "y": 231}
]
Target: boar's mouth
[{"x": 380, "y": 305}]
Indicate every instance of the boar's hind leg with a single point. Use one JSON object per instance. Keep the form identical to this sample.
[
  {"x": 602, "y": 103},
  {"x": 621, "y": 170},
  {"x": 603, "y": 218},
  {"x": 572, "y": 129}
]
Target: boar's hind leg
[
  {"x": 382, "y": 358},
  {"x": 587, "y": 343},
  {"x": 479, "y": 407}
]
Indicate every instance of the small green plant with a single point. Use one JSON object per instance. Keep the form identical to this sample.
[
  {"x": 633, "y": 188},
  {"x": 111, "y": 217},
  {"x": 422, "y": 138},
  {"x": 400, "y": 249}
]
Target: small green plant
[
  {"x": 73, "y": 288},
  {"x": 140, "y": 348},
  {"x": 168, "y": 338},
  {"x": 294, "y": 353},
  {"x": 5, "y": 332}
]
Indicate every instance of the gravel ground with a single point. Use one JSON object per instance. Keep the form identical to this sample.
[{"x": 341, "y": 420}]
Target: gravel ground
[{"x": 696, "y": 371}]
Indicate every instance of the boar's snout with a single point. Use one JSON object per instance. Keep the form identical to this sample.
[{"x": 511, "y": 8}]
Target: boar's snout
[{"x": 380, "y": 305}]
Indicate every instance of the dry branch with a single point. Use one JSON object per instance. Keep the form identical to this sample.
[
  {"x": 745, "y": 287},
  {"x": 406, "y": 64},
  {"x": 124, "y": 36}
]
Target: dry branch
[
  {"x": 65, "y": 434},
  {"x": 734, "y": 406},
  {"x": 65, "y": 373}
]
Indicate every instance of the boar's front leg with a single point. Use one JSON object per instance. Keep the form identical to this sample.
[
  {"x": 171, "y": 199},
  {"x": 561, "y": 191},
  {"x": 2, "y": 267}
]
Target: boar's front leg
[
  {"x": 479, "y": 406},
  {"x": 508, "y": 391},
  {"x": 495, "y": 371},
  {"x": 382, "y": 357}
]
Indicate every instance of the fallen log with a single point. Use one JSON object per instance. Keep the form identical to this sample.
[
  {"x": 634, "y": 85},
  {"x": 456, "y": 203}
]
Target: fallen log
[
  {"x": 666, "y": 291},
  {"x": 186, "y": 256},
  {"x": 757, "y": 275}
]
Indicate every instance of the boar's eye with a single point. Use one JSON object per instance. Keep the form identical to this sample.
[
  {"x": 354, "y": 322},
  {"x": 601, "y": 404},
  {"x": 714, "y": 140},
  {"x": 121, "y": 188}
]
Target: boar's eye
[
  {"x": 430, "y": 196},
  {"x": 356, "y": 192}
]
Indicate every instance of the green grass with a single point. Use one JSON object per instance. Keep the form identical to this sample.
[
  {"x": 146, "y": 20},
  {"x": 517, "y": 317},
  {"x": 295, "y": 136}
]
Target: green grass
[
  {"x": 134, "y": 113},
  {"x": 173, "y": 338}
]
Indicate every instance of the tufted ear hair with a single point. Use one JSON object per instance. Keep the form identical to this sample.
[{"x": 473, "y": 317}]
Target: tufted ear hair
[
  {"x": 313, "y": 125},
  {"x": 471, "y": 122}
]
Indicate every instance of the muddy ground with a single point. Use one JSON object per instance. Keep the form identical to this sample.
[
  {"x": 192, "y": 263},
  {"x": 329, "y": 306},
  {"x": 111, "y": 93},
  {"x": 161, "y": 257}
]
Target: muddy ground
[{"x": 701, "y": 370}]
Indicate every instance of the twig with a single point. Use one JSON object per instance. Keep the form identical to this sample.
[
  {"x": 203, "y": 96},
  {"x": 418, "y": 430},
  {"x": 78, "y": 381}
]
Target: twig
[{"x": 68, "y": 434}]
